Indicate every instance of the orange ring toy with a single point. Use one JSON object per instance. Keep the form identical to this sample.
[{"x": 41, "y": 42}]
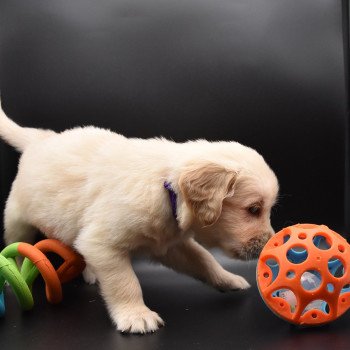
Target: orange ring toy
[
  {"x": 303, "y": 274},
  {"x": 72, "y": 266}
]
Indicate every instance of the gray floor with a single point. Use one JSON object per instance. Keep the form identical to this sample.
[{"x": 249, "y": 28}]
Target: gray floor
[{"x": 196, "y": 316}]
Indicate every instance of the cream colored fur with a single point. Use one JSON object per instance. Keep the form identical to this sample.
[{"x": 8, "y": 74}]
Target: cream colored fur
[{"x": 103, "y": 194}]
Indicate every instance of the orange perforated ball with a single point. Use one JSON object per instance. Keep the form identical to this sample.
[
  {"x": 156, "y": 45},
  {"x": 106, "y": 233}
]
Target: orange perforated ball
[{"x": 303, "y": 274}]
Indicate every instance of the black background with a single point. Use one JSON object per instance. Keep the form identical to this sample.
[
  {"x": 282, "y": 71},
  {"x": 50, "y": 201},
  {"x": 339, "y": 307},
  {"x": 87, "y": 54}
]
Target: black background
[{"x": 269, "y": 74}]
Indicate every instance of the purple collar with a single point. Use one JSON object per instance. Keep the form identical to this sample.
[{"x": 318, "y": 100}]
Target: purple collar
[{"x": 173, "y": 198}]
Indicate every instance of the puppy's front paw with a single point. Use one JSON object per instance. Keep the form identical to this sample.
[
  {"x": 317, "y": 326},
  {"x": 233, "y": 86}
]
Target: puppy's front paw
[
  {"x": 89, "y": 276},
  {"x": 229, "y": 282},
  {"x": 138, "y": 320}
]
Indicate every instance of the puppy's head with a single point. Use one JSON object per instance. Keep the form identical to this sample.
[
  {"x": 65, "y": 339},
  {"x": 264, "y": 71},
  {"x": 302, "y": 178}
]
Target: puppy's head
[{"x": 229, "y": 207}]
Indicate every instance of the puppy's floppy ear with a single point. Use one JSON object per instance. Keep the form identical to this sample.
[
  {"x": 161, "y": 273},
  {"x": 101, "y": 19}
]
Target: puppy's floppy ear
[{"x": 204, "y": 187}]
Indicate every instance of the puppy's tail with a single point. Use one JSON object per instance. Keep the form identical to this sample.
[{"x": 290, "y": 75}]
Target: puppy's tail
[{"x": 18, "y": 136}]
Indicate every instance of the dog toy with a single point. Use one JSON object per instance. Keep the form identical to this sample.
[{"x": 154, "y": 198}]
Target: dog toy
[
  {"x": 35, "y": 263},
  {"x": 303, "y": 275}
]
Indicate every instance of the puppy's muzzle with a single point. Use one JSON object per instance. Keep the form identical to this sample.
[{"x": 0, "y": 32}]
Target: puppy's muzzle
[{"x": 251, "y": 249}]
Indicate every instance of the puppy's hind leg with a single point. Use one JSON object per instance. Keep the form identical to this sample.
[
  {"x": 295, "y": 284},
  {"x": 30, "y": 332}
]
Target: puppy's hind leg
[{"x": 16, "y": 228}]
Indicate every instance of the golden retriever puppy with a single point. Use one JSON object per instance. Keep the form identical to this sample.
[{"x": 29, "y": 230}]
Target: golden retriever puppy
[{"x": 111, "y": 197}]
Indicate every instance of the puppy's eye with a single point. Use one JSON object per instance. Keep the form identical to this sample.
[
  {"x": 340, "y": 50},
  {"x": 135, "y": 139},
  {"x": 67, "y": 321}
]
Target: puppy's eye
[{"x": 254, "y": 210}]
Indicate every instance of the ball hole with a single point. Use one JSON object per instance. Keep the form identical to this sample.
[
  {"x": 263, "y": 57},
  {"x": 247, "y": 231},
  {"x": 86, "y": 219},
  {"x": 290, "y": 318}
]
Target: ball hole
[
  {"x": 302, "y": 235},
  {"x": 336, "y": 267},
  {"x": 278, "y": 240},
  {"x": 297, "y": 254},
  {"x": 314, "y": 315},
  {"x": 290, "y": 274},
  {"x": 330, "y": 287},
  {"x": 288, "y": 297},
  {"x": 311, "y": 280},
  {"x": 341, "y": 248},
  {"x": 318, "y": 304},
  {"x": 345, "y": 289},
  {"x": 273, "y": 266},
  {"x": 322, "y": 242},
  {"x": 266, "y": 275},
  {"x": 286, "y": 238},
  {"x": 271, "y": 262}
]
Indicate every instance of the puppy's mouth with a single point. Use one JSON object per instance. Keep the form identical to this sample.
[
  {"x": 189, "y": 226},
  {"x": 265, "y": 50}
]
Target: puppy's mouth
[{"x": 251, "y": 249}]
